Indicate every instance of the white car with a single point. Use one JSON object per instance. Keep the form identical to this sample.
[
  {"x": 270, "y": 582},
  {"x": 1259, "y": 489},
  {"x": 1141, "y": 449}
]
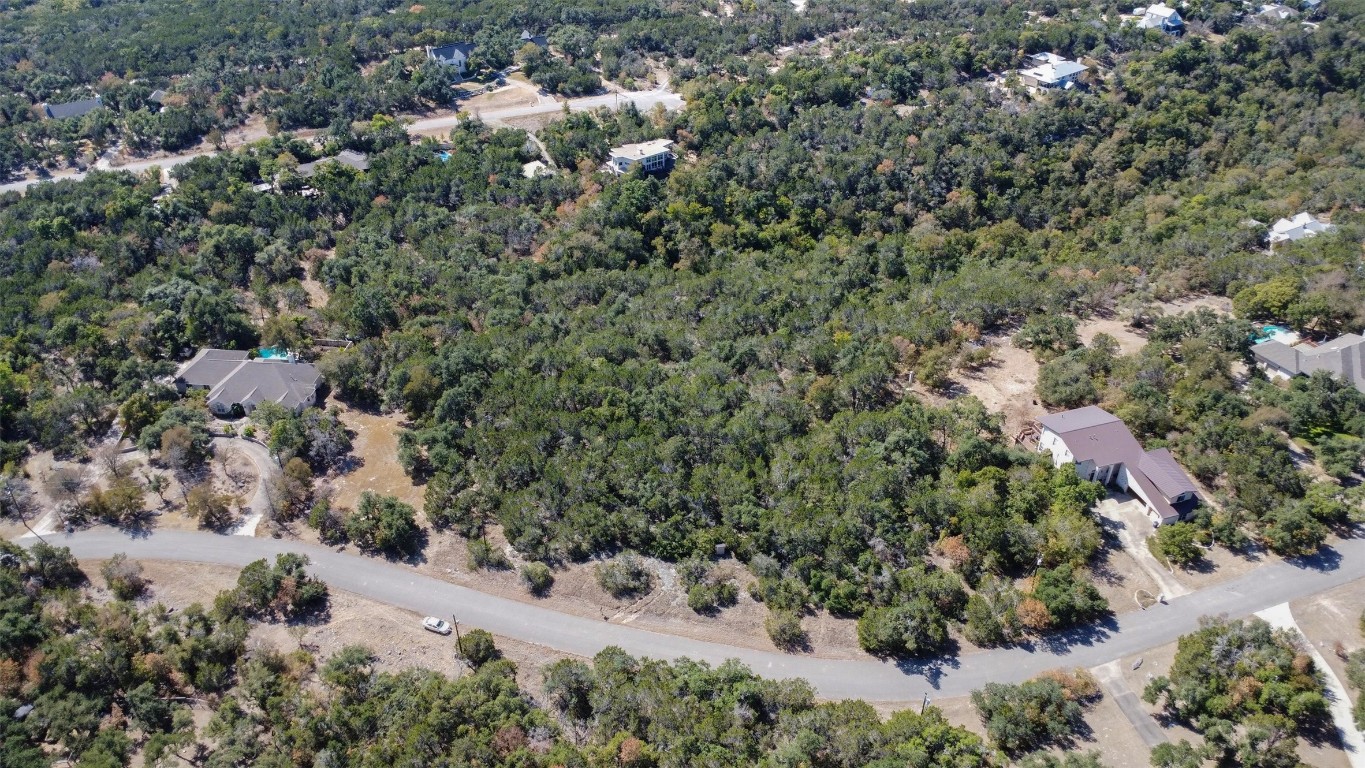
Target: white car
[{"x": 433, "y": 624}]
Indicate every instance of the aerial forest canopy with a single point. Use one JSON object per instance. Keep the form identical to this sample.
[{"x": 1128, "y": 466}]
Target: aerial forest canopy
[{"x": 723, "y": 355}]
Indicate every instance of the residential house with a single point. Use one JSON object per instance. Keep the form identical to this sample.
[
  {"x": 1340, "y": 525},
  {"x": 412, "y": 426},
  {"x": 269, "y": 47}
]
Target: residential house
[
  {"x": 651, "y": 156},
  {"x": 537, "y": 40},
  {"x": 1302, "y": 226},
  {"x": 452, "y": 55},
  {"x": 72, "y": 108},
  {"x": 1343, "y": 356},
  {"x": 1276, "y": 12},
  {"x": 157, "y": 97},
  {"x": 1102, "y": 449},
  {"x": 1160, "y": 16},
  {"x": 237, "y": 383},
  {"x": 1051, "y": 71},
  {"x": 347, "y": 157}
]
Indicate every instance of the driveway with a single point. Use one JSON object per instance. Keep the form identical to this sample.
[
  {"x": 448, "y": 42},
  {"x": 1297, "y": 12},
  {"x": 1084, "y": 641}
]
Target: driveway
[
  {"x": 266, "y": 470},
  {"x": 402, "y": 587},
  {"x": 1125, "y": 517}
]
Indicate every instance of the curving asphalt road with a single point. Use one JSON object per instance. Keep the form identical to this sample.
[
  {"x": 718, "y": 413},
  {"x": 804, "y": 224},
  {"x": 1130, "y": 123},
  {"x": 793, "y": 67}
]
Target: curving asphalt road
[
  {"x": 643, "y": 101},
  {"x": 403, "y": 587}
]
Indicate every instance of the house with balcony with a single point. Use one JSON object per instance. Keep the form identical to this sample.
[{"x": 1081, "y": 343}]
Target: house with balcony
[{"x": 650, "y": 156}]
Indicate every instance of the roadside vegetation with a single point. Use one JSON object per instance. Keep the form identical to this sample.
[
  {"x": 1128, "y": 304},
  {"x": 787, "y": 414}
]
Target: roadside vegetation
[
  {"x": 736, "y": 354},
  {"x": 107, "y": 681},
  {"x": 1249, "y": 689}
]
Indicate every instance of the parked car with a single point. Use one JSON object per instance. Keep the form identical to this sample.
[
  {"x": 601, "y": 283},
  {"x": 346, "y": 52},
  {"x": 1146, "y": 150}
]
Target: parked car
[{"x": 433, "y": 624}]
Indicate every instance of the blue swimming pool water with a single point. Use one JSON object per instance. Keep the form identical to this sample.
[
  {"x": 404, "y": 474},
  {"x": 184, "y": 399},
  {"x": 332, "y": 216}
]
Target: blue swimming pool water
[
  {"x": 268, "y": 353},
  {"x": 444, "y": 155},
  {"x": 1267, "y": 332}
]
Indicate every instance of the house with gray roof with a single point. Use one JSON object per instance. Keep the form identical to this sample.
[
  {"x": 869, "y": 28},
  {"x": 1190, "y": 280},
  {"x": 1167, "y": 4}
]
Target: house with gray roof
[
  {"x": 452, "y": 55},
  {"x": 237, "y": 382},
  {"x": 1102, "y": 449},
  {"x": 72, "y": 109},
  {"x": 1343, "y": 357},
  {"x": 348, "y": 157},
  {"x": 537, "y": 40},
  {"x": 1051, "y": 71}
]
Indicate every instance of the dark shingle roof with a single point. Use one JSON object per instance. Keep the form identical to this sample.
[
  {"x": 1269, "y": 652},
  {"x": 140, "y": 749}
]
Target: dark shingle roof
[
  {"x": 1277, "y": 353},
  {"x": 72, "y": 108},
  {"x": 1161, "y": 467}
]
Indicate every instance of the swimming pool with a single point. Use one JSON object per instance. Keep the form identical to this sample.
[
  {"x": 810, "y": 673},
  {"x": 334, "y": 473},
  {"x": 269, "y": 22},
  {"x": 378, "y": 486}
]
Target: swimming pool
[
  {"x": 1274, "y": 333},
  {"x": 270, "y": 353},
  {"x": 444, "y": 155}
]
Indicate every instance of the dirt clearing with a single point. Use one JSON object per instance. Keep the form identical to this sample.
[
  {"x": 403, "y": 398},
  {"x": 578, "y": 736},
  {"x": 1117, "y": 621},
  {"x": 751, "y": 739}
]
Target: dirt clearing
[
  {"x": 375, "y": 445},
  {"x": 394, "y": 635}
]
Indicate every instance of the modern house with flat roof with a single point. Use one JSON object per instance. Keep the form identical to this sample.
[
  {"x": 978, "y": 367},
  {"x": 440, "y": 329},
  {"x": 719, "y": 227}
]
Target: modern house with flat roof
[
  {"x": 72, "y": 108},
  {"x": 650, "y": 156},
  {"x": 1343, "y": 357},
  {"x": 1102, "y": 449},
  {"x": 1051, "y": 71},
  {"x": 237, "y": 382},
  {"x": 452, "y": 55}
]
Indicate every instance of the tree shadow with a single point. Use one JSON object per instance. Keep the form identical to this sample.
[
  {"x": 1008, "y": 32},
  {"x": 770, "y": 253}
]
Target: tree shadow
[
  {"x": 931, "y": 668},
  {"x": 1324, "y": 560},
  {"x": 1090, "y": 634}
]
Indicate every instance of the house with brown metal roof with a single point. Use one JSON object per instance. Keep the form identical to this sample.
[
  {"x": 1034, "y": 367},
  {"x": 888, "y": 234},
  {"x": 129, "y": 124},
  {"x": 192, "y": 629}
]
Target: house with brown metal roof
[{"x": 1102, "y": 449}]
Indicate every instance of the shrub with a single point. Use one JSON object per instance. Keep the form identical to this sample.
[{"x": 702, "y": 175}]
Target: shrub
[
  {"x": 482, "y": 554},
  {"x": 1178, "y": 544},
  {"x": 627, "y": 576},
  {"x": 914, "y": 628},
  {"x": 329, "y": 522},
  {"x": 284, "y": 590},
  {"x": 1070, "y": 599},
  {"x": 784, "y": 628},
  {"x": 477, "y": 647},
  {"x": 538, "y": 578},
  {"x": 123, "y": 577},
  {"x": 384, "y": 524},
  {"x": 1021, "y": 718}
]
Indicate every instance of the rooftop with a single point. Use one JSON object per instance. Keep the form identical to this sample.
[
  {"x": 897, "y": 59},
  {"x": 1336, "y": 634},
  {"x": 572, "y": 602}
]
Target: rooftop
[
  {"x": 231, "y": 377},
  {"x": 1343, "y": 356},
  {"x": 642, "y": 150},
  {"x": 347, "y": 157},
  {"x": 72, "y": 108}
]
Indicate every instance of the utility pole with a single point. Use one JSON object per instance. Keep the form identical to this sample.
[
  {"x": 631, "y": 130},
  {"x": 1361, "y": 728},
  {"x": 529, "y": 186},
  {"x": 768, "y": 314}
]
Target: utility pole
[{"x": 923, "y": 705}]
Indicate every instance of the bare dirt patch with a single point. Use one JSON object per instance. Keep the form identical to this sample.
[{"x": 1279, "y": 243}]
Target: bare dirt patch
[
  {"x": 375, "y": 445},
  {"x": 1330, "y": 618},
  {"x": 1007, "y": 385},
  {"x": 512, "y": 95},
  {"x": 394, "y": 635},
  {"x": 663, "y": 610}
]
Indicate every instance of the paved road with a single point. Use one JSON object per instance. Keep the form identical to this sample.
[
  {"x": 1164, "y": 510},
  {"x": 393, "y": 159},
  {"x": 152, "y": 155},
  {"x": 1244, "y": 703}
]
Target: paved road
[
  {"x": 643, "y": 100},
  {"x": 1111, "y": 677},
  {"x": 403, "y": 587}
]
